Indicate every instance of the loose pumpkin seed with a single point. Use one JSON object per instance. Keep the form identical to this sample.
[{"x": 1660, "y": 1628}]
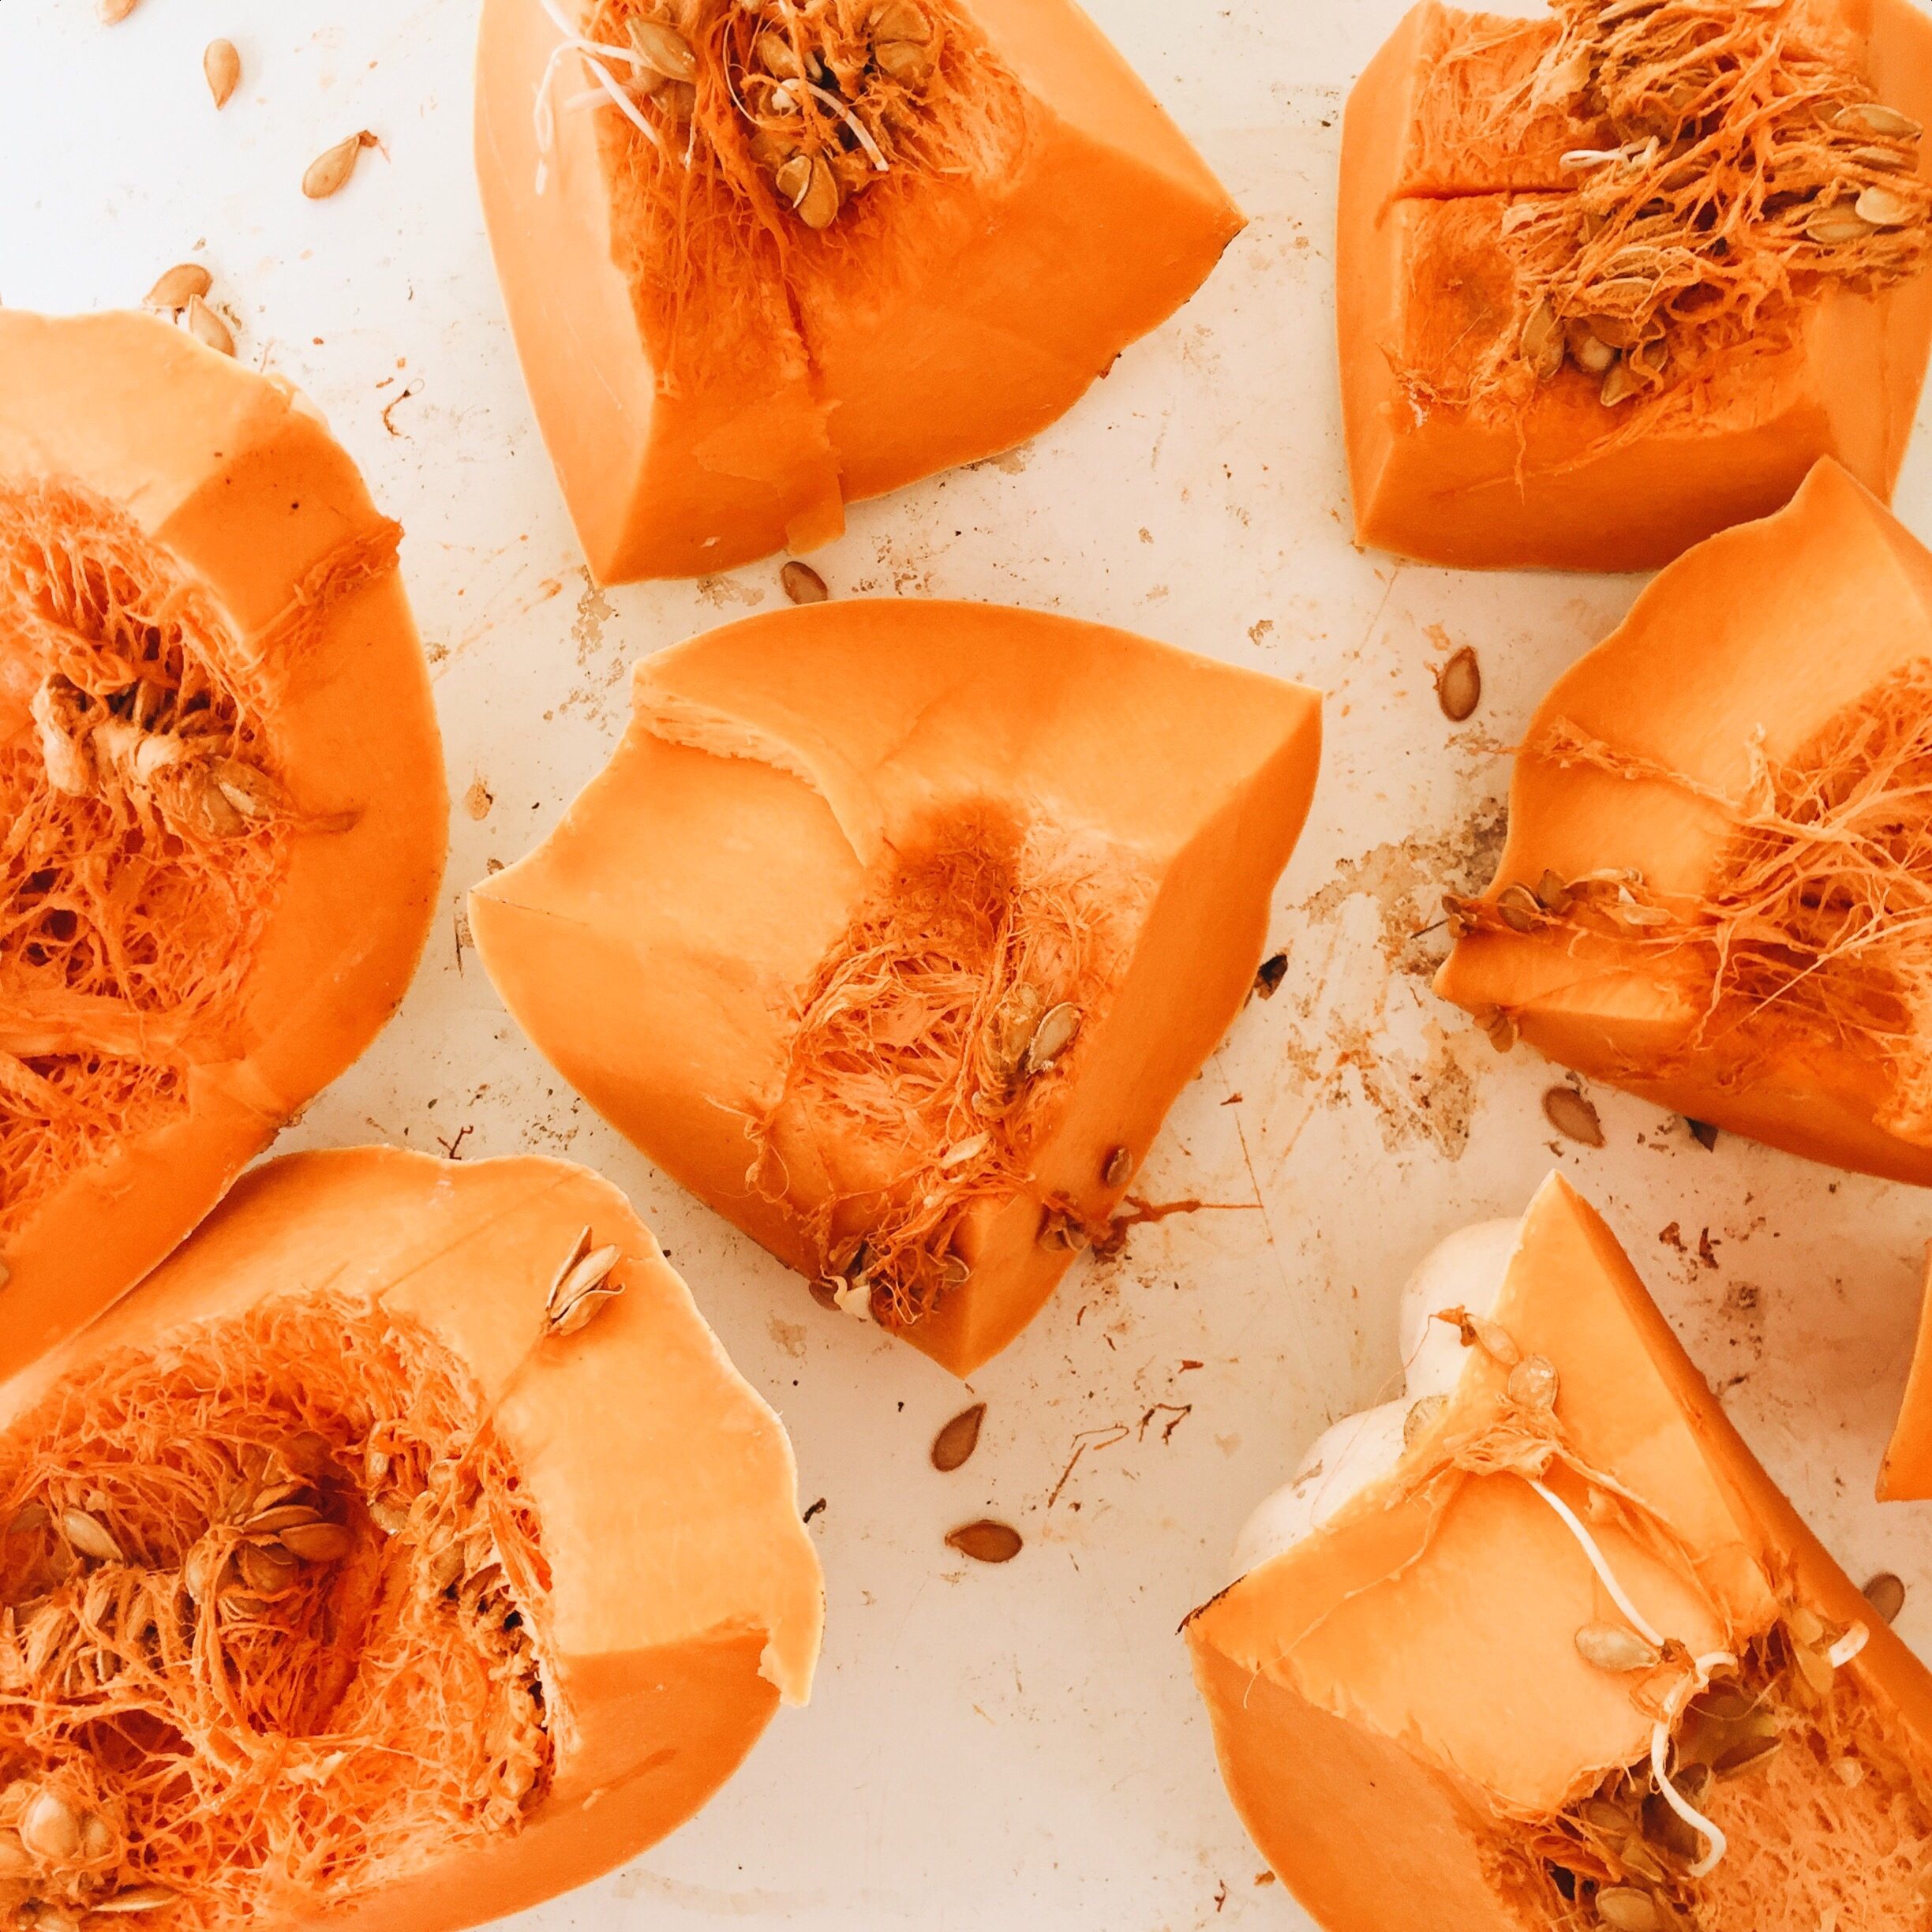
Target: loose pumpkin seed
[
  {"x": 1118, "y": 1165},
  {"x": 114, "y": 12},
  {"x": 664, "y": 50},
  {"x": 1628, "y": 1910},
  {"x": 986, "y": 1542},
  {"x": 1458, "y": 686},
  {"x": 174, "y": 288},
  {"x": 1883, "y": 207},
  {"x": 1886, "y": 1595},
  {"x": 1740, "y": 1757},
  {"x": 1615, "y": 1648},
  {"x": 803, "y": 584},
  {"x": 91, "y": 1537},
  {"x": 1533, "y": 1382},
  {"x": 955, "y": 1442},
  {"x": 1573, "y": 1116},
  {"x": 1421, "y": 1418},
  {"x": 329, "y": 172},
  {"x": 580, "y": 1289},
  {"x": 1058, "y": 1028},
  {"x": 221, "y": 66},
  {"x": 207, "y": 326}
]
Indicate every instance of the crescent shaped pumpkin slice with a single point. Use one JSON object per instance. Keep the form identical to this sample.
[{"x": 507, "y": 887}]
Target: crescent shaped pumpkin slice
[
  {"x": 1716, "y": 886},
  {"x": 893, "y": 930},
  {"x": 1566, "y": 1658},
  {"x": 404, "y": 1551},
  {"x": 763, "y": 258},
  {"x": 1609, "y": 282},
  {"x": 221, "y": 787}
]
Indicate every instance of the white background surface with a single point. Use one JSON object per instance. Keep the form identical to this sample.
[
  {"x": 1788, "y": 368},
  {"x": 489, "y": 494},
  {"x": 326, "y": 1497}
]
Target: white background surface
[{"x": 1014, "y": 1748}]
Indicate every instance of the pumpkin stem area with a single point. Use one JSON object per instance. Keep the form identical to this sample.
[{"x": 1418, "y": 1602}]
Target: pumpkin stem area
[
  {"x": 265, "y": 1590},
  {"x": 143, "y": 840},
  {"x": 757, "y": 143},
  {"x": 1818, "y": 920},
  {"x": 934, "y": 1047},
  {"x": 1743, "y": 171}
]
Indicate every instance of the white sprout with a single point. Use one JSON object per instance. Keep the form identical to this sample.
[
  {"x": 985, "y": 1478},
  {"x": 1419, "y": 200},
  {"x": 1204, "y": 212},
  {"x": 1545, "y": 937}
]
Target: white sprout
[
  {"x": 594, "y": 53},
  {"x": 1590, "y": 157},
  {"x": 858, "y": 127},
  {"x": 1659, "y": 1752},
  {"x": 1847, "y": 1646},
  {"x": 1618, "y": 1594}
]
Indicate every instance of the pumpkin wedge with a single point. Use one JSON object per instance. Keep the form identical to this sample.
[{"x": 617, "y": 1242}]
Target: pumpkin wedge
[
  {"x": 1610, "y": 281},
  {"x": 1905, "y": 1476},
  {"x": 402, "y": 1551},
  {"x": 1566, "y": 1658},
  {"x": 222, "y": 802},
  {"x": 893, "y": 931},
  {"x": 762, "y": 258},
  {"x": 1716, "y": 885}
]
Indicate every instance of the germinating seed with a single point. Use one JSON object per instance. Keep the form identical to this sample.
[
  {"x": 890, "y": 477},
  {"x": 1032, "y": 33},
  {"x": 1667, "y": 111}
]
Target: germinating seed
[{"x": 1615, "y": 1648}]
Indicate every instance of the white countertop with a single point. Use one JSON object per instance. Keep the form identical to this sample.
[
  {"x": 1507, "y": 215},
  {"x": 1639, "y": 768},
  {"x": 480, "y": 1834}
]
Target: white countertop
[{"x": 1021, "y": 1747}]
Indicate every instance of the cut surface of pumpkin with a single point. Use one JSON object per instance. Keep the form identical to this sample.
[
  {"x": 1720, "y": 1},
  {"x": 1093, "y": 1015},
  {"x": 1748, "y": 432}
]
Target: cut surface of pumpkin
[
  {"x": 1717, "y": 881},
  {"x": 222, "y": 802},
  {"x": 893, "y": 930},
  {"x": 762, "y": 258},
  {"x": 353, "y": 1570},
  {"x": 1548, "y": 1648},
  {"x": 1611, "y": 282}
]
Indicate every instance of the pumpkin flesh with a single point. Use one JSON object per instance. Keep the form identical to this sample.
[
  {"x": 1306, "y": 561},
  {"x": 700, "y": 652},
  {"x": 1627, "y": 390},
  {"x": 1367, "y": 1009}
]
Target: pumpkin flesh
[
  {"x": 893, "y": 930},
  {"x": 1597, "y": 295},
  {"x": 1403, "y": 1710},
  {"x": 222, "y": 786},
  {"x": 993, "y": 207},
  {"x": 539, "y": 1597}
]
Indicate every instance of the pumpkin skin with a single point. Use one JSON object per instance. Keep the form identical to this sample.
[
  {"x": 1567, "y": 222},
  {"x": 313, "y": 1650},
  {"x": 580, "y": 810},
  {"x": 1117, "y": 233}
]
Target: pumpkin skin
[
  {"x": 676, "y": 1597},
  {"x": 1399, "y": 1702},
  {"x": 233, "y": 534},
  {"x": 823, "y": 805},
  {"x": 1431, "y": 167},
  {"x": 1642, "y": 765},
  {"x": 943, "y": 317}
]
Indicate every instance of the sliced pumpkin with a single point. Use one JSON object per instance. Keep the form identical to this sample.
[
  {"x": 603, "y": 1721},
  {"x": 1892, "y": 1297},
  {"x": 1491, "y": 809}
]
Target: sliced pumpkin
[
  {"x": 1905, "y": 1476},
  {"x": 1573, "y": 1661},
  {"x": 221, "y": 787},
  {"x": 1715, "y": 887},
  {"x": 893, "y": 930},
  {"x": 762, "y": 258},
  {"x": 1610, "y": 282},
  {"x": 366, "y": 1567}
]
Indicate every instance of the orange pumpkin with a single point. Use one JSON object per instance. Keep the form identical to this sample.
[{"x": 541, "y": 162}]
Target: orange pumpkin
[
  {"x": 221, "y": 787},
  {"x": 1607, "y": 283},
  {"x": 1906, "y": 1475},
  {"x": 765, "y": 257},
  {"x": 1715, "y": 886},
  {"x": 347, "y": 1578},
  {"x": 893, "y": 931},
  {"x": 1570, "y": 1659}
]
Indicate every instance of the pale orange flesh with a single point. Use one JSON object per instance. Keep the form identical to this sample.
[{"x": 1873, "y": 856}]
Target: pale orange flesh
[
  {"x": 680, "y": 1599},
  {"x": 657, "y": 946},
  {"x": 1398, "y": 1699},
  {"x": 1424, "y": 286},
  {"x": 974, "y": 312},
  {"x": 232, "y": 484}
]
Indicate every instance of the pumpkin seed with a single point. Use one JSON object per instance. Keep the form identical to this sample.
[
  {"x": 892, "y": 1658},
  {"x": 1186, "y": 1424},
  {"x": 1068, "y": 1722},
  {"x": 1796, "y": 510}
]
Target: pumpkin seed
[
  {"x": 136, "y": 1898},
  {"x": 803, "y": 584},
  {"x": 1058, "y": 1228},
  {"x": 174, "y": 288},
  {"x": 319, "y": 1542},
  {"x": 1615, "y": 1648},
  {"x": 664, "y": 50},
  {"x": 1518, "y": 908},
  {"x": 1058, "y": 1028},
  {"x": 1883, "y": 207},
  {"x": 900, "y": 20},
  {"x": 1421, "y": 1418},
  {"x": 776, "y": 55},
  {"x": 1533, "y": 1382},
  {"x": 1618, "y": 385},
  {"x": 1543, "y": 341},
  {"x": 91, "y": 1537},
  {"x": 207, "y": 326},
  {"x": 1886, "y": 1595},
  {"x": 1118, "y": 1165},
  {"x": 265, "y": 1569},
  {"x": 1636, "y": 1856},
  {"x": 1458, "y": 686},
  {"x": 1873, "y": 117},
  {"x": 1805, "y": 1624},
  {"x": 1836, "y": 224},
  {"x": 1573, "y": 1116},
  {"x": 27, "y": 1517},
  {"x": 273, "y": 1520},
  {"x": 114, "y": 12},
  {"x": 1814, "y": 1667},
  {"x": 812, "y": 188},
  {"x": 986, "y": 1542},
  {"x": 1663, "y": 1826},
  {"x": 1742, "y": 1757},
  {"x": 907, "y": 61},
  {"x": 49, "y": 1828},
  {"x": 14, "y": 1863},
  {"x": 329, "y": 172},
  {"x": 958, "y": 1439},
  {"x": 222, "y": 66},
  {"x": 1589, "y": 350},
  {"x": 1628, "y": 1910}
]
